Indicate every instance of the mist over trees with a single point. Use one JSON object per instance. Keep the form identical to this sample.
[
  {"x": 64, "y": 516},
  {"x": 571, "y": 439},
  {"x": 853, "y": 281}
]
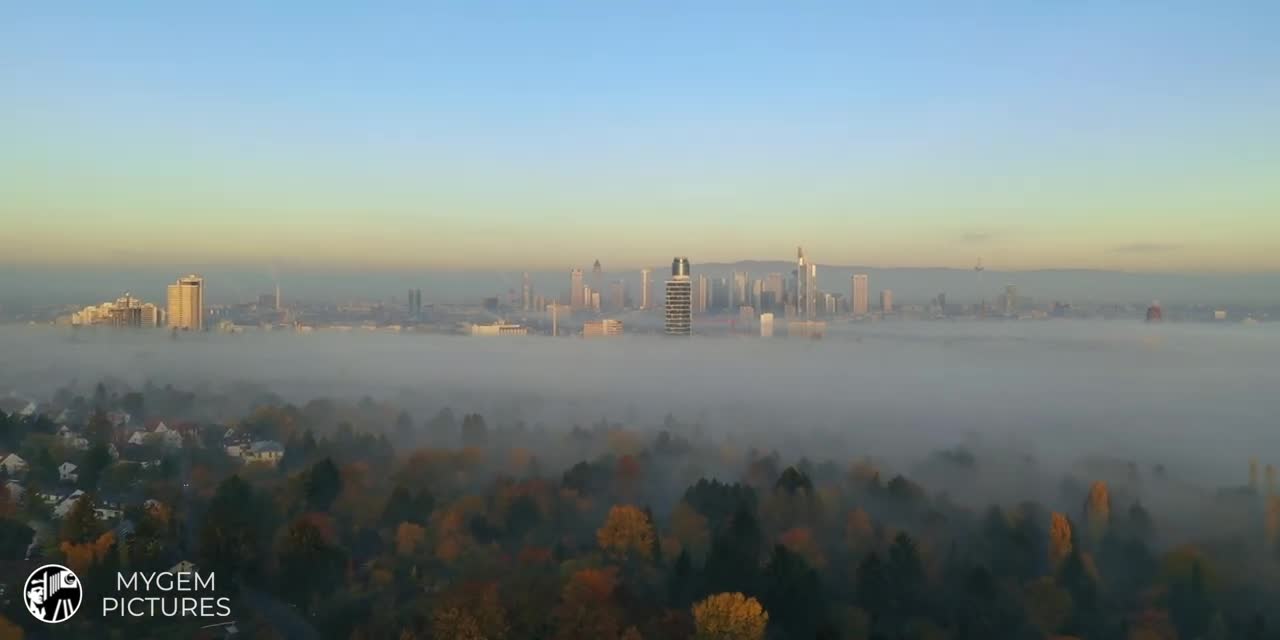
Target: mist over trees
[
  {"x": 384, "y": 519},
  {"x": 968, "y": 483}
]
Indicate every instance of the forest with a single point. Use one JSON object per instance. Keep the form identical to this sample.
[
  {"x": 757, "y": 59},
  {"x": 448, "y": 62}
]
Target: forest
[{"x": 374, "y": 523}]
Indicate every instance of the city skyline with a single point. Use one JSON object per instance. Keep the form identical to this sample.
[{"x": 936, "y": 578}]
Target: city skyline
[{"x": 1081, "y": 136}]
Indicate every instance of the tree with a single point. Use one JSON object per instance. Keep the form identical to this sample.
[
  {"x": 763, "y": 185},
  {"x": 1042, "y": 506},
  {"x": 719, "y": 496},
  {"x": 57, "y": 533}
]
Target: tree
[
  {"x": 627, "y": 532},
  {"x": 729, "y": 616},
  {"x": 404, "y": 426},
  {"x": 471, "y": 610},
  {"x": 474, "y": 431},
  {"x": 719, "y": 502},
  {"x": 95, "y": 461},
  {"x": 587, "y": 608},
  {"x": 1189, "y": 605},
  {"x": 134, "y": 404},
  {"x": 1273, "y": 526},
  {"x": 81, "y": 557},
  {"x": 1059, "y": 539},
  {"x": 906, "y": 578},
  {"x": 793, "y": 481},
  {"x": 81, "y": 523},
  {"x": 322, "y": 485},
  {"x": 15, "y": 537},
  {"x": 311, "y": 564},
  {"x": 232, "y": 537},
  {"x": 1097, "y": 510},
  {"x": 409, "y": 537},
  {"x": 734, "y": 559},
  {"x": 405, "y": 506},
  {"x": 8, "y": 506},
  {"x": 99, "y": 429},
  {"x": 1048, "y": 605},
  {"x": 871, "y": 587},
  {"x": 793, "y": 592},
  {"x": 690, "y": 528},
  {"x": 9, "y": 630}
]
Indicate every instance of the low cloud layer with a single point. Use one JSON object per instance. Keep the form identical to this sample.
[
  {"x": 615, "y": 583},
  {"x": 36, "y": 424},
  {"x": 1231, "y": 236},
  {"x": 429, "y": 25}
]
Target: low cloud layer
[{"x": 1199, "y": 398}]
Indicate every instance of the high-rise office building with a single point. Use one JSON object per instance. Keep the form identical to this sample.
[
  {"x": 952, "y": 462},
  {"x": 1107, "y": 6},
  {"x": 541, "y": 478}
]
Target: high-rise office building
[
  {"x": 186, "y": 303},
  {"x": 703, "y": 300},
  {"x": 577, "y": 301},
  {"x": 1010, "y": 300},
  {"x": 597, "y": 279},
  {"x": 773, "y": 293},
  {"x": 679, "y": 318},
  {"x": 806, "y": 305},
  {"x": 645, "y": 287},
  {"x": 719, "y": 295},
  {"x": 886, "y": 301},
  {"x": 766, "y": 325},
  {"x": 555, "y": 309},
  {"x": 859, "y": 303},
  {"x": 802, "y": 274},
  {"x": 526, "y": 292},
  {"x": 617, "y": 295},
  {"x": 811, "y": 292},
  {"x": 739, "y": 290},
  {"x": 415, "y": 303}
]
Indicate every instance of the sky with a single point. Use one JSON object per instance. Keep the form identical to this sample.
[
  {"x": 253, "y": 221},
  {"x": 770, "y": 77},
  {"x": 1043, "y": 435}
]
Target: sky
[{"x": 1137, "y": 136}]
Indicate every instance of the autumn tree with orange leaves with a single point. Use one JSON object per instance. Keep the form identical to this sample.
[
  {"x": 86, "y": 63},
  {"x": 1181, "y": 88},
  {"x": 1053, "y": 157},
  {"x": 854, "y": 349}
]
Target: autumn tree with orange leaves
[
  {"x": 729, "y": 616},
  {"x": 627, "y": 532}
]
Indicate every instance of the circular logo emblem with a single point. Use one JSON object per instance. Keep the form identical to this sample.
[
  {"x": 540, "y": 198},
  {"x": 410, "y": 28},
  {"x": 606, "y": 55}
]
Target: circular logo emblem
[{"x": 52, "y": 593}]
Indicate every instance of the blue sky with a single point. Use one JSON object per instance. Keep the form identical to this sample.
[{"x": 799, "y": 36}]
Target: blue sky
[{"x": 1138, "y": 135}]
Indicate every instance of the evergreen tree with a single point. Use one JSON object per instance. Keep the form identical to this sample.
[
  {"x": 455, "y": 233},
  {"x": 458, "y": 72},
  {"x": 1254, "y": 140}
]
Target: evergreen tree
[{"x": 322, "y": 485}]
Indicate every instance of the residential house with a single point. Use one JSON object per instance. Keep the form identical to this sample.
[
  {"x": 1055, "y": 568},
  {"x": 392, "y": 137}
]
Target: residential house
[
  {"x": 168, "y": 438},
  {"x": 67, "y": 472},
  {"x": 64, "y": 507},
  {"x": 108, "y": 509},
  {"x": 13, "y": 465},
  {"x": 72, "y": 439},
  {"x": 264, "y": 452}
]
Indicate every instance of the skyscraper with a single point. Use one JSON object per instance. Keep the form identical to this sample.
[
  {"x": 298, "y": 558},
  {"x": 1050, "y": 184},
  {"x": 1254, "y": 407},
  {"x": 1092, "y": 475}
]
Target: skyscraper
[
  {"x": 739, "y": 292},
  {"x": 858, "y": 295},
  {"x": 597, "y": 279},
  {"x": 703, "y": 300},
  {"x": 617, "y": 295},
  {"x": 679, "y": 319},
  {"x": 526, "y": 293},
  {"x": 645, "y": 286},
  {"x": 186, "y": 303},
  {"x": 886, "y": 301},
  {"x": 1010, "y": 302},
  {"x": 415, "y": 303},
  {"x": 773, "y": 291},
  {"x": 576, "y": 299},
  {"x": 811, "y": 292},
  {"x": 802, "y": 274},
  {"x": 806, "y": 286}
]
